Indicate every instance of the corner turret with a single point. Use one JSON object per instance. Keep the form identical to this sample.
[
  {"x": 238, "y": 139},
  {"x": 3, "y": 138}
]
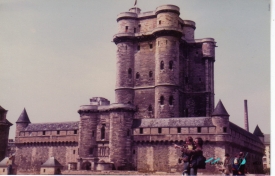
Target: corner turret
[
  {"x": 259, "y": 133},
  {"x": 220, "y": 119},
  {"x": 22, "y": 122}
]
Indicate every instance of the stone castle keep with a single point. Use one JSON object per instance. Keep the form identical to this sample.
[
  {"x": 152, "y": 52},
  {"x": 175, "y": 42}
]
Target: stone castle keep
[{"x": 164, "y": 93}]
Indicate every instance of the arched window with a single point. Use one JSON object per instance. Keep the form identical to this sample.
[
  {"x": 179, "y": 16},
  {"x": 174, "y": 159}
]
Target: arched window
[
  {"x": 171, "y": 100},
  {"x": 161, "y": 100},
  {"x": 150, "y": 108},
  {"x": 130, "y": 73},
  {"x": 161, "y": 65},
  {"x": 150, "y": 74},
  {"x": 137, "y": 75},
  {"x": 103, "y": 132},
  {"x": 171, "y": 65}
]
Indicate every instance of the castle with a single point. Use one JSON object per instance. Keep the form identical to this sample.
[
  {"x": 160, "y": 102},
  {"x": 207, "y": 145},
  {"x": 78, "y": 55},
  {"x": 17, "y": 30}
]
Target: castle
[{"x": 164, "y": 93}]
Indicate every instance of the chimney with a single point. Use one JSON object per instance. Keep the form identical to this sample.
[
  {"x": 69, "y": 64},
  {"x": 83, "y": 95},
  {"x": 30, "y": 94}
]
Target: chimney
[{"x": 246, "y": 126}]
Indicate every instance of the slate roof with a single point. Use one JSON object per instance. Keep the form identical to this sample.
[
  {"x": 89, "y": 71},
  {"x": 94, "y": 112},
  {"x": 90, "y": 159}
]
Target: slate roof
[
  {"x": 242, "y": 131},
  {"x": 51, "y": 162},
  {"x": 258, "y": 132},
  {"x": 220, "y": 110},
  {"x": 53, "y": 126},
  {"x": 173, "y": 122},
  {"x": 266, "y": 138},
  {"x": 23, "y": 118}
]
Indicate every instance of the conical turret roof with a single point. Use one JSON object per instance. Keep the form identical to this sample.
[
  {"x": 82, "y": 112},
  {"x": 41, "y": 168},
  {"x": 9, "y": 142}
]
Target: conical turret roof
[
  {"x": 51, "y": 162},
  {"x": 258, "y": 132},
  {"x": 220, "y": 110},
  {"x": 23, "y": 118},
  {"x": 2, "y": 109}
]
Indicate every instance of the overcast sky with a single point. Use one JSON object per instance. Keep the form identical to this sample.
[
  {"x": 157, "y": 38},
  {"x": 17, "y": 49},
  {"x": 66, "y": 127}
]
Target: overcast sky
[{"x": 57, "y": 54}]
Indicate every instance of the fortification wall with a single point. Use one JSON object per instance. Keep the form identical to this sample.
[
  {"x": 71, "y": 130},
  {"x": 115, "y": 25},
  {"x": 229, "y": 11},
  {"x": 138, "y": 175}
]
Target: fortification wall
[{"x": 29, "y": 158}]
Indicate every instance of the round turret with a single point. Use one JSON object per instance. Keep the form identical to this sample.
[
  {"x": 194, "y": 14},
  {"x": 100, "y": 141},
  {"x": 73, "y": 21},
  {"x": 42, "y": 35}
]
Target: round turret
[
  {"x": 189, "y": 29},
  {"x": 208, "y": 47},
  {"x": 135, "y": 10},
  {"x": 167, "y": 16}
]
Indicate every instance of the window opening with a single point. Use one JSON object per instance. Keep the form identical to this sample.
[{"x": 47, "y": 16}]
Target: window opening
[
  {"x": 161, "y": 65},
  {"x": 74, "y": 152},
  {"x": 103, "y": 132},
  {"x": 186, "y": 80},
  {"x": 151, "y": 46},
  {"x": 58, "y": 132},
  {"x": 126, "y": 28},
  {"x": 126, "y": 47},
  {"x": 141, "y": 131},
  {"x": 199, "y": 129},
  {"x": 130, "y": 73},
  {"x": 171, "y": 98},
  {"x": 91, "y": 150},
  {"x": 150, "y": 74},
  {"x": 159, "y": 130},
  {"x": 150, "y": 108},
  {"x": 93, "y": 133},
  {"x": 134, "y": 151},
  {"x": 159, "y": 21},
  {"x": 135, "y": 30},
  {"x": 75, "y": 131},
  {"x": 138, "y": 47},
  {"x": 44, "y": 170},
  {"x": 179, "y": 129},
  {"x": 224, "y": 129},
  {"x": 137, "y": 75},
  {"x": 44, "y": 132},
  {"x": 161, "y": 100},
  {"x": 166, "y": 42},
  {"x": 171, "y": 65}
]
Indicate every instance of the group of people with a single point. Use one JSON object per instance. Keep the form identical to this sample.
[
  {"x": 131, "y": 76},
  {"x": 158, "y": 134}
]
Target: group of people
[
  {"x": 237, "y": 165},
  {"x": 193, "y": 148}
]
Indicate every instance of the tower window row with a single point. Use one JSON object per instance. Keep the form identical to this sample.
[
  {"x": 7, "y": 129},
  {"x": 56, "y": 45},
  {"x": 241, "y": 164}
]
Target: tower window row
[
  {"x": 171, "y": 100},
  {"x": 150, "y": 46},
  {"x": 138, "y": 74},
  {"x": 171, "y": 65}
]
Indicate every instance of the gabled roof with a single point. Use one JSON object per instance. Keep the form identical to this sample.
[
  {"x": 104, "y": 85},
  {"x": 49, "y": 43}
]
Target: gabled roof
[
  {"x": 173, "y": 122},
  {"x": 51, "y": 162},
  {"x": 53, "y": 126},
  {"x": 220, "y": 110},
  {"x": 258, "y": 132},
  {"x": 23, "y": 118}
]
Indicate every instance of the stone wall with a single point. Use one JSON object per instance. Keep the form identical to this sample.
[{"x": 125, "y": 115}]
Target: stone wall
[
  {"x": 30, "y": 158},
  {"x": 4, "y": 135}
]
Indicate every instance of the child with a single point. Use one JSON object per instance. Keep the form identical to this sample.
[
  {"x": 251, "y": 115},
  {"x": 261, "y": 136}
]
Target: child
[{"x": 186, "y": 158}]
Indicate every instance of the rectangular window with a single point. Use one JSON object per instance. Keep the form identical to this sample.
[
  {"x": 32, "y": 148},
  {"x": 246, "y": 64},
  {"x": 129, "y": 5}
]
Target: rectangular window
[
  {"x": 44, "y": 132},
  {"x": 141, "y": 131},
  {"x": 58, "y": 132},
  {"x": 73, "y": 151},
  {"x": 179, "y": 129},
  {"x": 75, "y": 131},
  {"x": 224, "y": 129},
  {"x": 3, "y": 170},
  {"x": 199, "y": 129},
  {"x": 159, "y": 130},
  {"x": 151, "y": 46},
  {"x": 44, "y": 170},
  {"x": 138, "y": 48},
  {"x": 126, "y": 28}
]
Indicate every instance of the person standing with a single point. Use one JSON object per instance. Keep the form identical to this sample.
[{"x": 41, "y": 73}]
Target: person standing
[
  {"x": 226, "y": 165},
  {"x": 192, "y": 170}
]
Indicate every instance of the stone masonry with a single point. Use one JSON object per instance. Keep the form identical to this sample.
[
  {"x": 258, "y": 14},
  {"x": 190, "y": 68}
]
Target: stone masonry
[{"x": 164, "y": 93}]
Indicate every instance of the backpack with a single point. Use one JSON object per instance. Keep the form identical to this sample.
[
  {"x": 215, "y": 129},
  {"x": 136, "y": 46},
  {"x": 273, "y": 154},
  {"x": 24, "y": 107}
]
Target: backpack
[{"x": 198, "y": 161}]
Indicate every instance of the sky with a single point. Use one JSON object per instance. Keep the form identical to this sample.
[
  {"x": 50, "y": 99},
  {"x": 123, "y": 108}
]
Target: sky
[{"x": 56, "y": 55}]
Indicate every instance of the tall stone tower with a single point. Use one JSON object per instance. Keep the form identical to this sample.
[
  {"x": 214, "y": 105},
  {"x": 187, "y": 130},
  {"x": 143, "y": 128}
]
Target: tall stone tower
[{"x": 161, "y": 68}]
